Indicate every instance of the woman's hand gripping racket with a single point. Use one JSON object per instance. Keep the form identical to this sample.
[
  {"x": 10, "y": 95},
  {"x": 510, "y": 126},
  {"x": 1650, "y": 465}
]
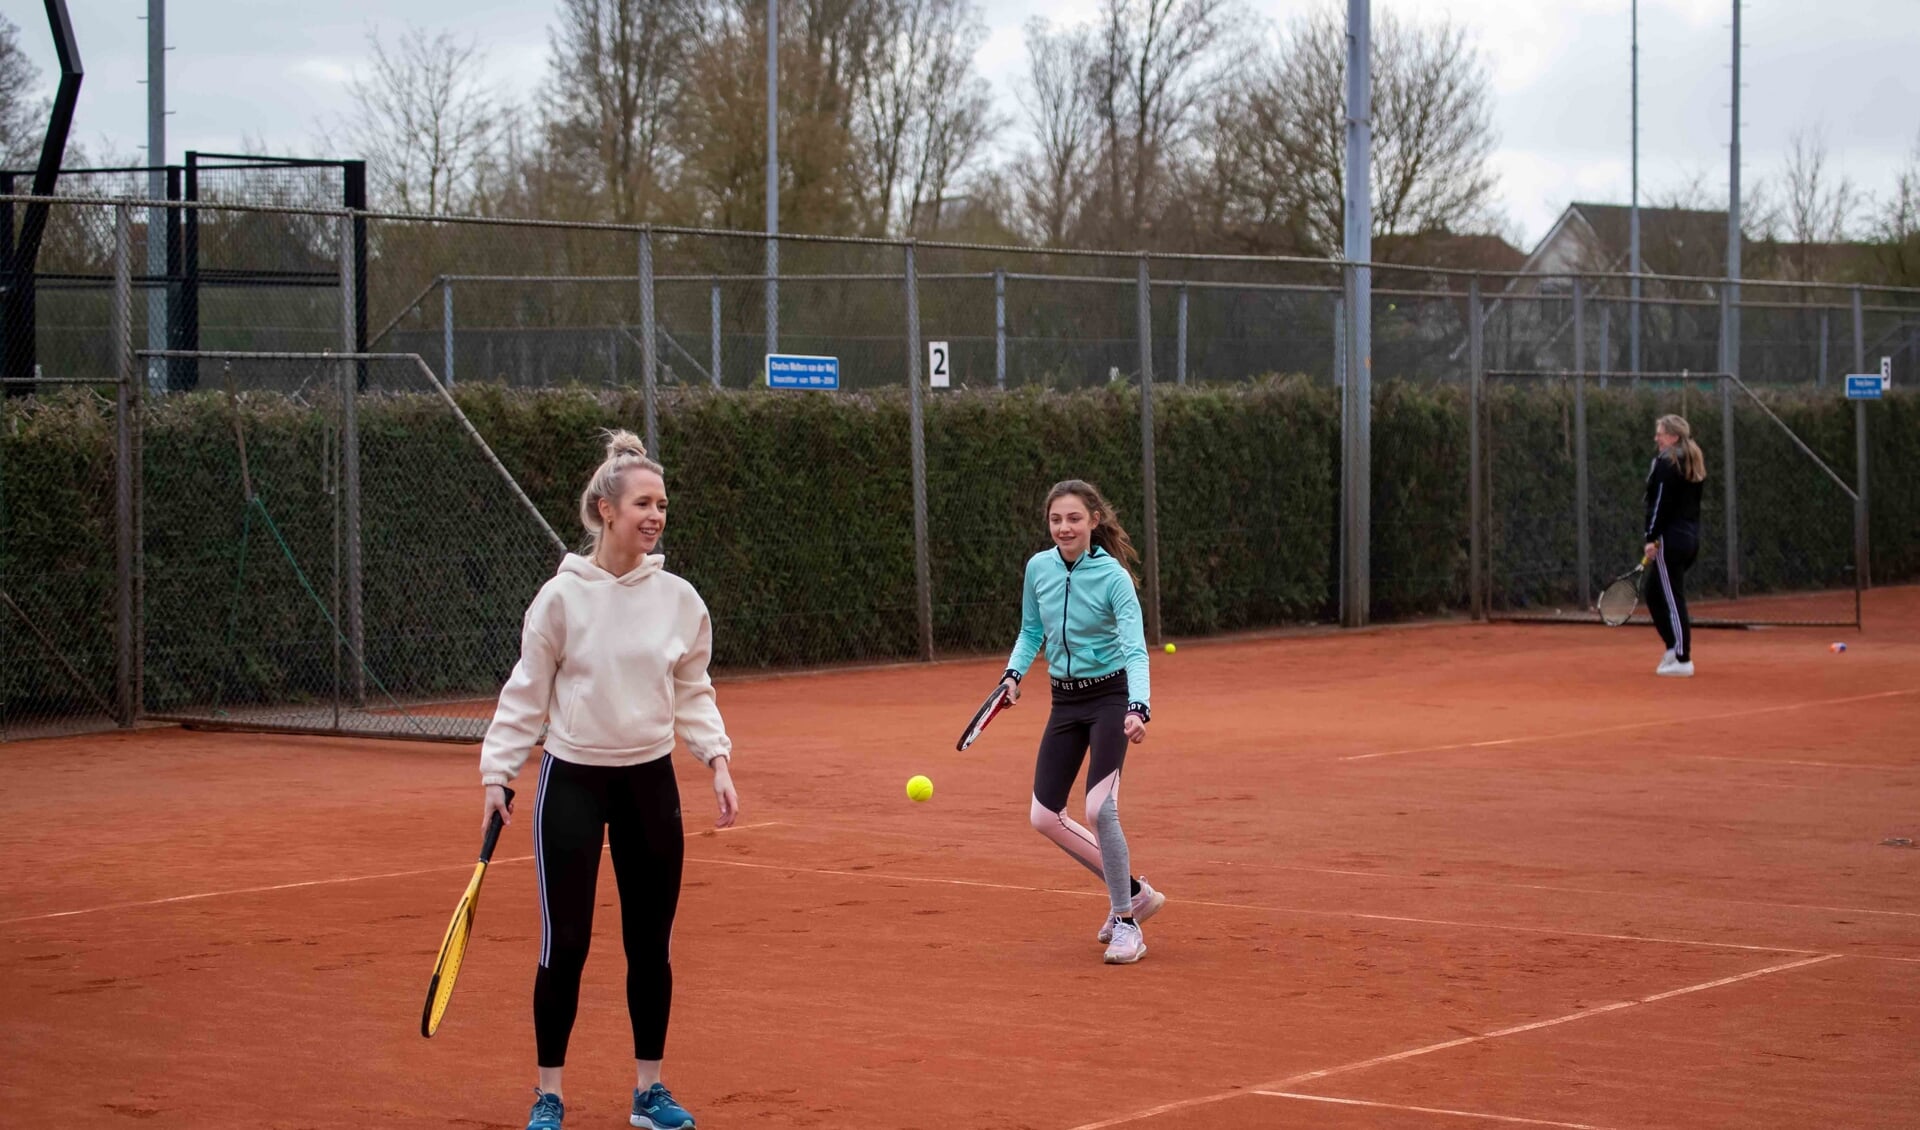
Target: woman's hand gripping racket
[
  {"x": 1621, "y": 596},
  {"x": 454, "y": 946},
  {"x": 1003, "y": 696}
]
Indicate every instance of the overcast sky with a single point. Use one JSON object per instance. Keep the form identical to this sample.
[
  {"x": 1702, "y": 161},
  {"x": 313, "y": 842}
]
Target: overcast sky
[{"x": 272, "y": 71}]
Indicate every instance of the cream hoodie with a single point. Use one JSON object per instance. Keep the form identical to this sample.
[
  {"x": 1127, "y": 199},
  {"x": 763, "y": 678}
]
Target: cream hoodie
[{"x": 614, "y": 666}]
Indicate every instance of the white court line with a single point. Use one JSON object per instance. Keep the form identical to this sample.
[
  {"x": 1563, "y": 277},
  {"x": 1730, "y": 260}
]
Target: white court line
[
  {"x": 1429, "y": 1110},
  {"x": 1628, "y": 726},
  {"x": 1304, "y": 912},
  {"x": 1784, "y": 761},
  {"x": 1463, "y": 1041},
  {"x": 463, "y": 868},
  {"x": 1456, "y": 881}
]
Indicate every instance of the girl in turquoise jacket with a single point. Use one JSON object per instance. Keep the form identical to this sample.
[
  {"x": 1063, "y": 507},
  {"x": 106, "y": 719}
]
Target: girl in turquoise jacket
[{"x": 1080, "y": 605}]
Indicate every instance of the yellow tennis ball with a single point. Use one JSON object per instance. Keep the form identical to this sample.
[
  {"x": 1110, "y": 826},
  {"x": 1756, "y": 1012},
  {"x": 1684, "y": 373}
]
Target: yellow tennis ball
[
  {"x": 919, "y": 788},
  {"x": 1170, "y": 649}
]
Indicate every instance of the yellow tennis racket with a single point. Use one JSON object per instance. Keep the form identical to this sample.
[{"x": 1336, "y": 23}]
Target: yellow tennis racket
[{"x": 454, "y": 946}]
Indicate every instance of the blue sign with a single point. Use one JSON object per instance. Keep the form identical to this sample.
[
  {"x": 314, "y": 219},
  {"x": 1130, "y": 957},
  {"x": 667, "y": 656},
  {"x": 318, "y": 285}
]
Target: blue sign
[
  {"x": 1865, "y": 386},
  {"x": 788, "y": 370}
]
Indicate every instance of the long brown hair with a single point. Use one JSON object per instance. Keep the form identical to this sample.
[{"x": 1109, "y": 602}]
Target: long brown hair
[
  {"x": 1108, "y": 533},
  {"x": 1686, "y": 454}
]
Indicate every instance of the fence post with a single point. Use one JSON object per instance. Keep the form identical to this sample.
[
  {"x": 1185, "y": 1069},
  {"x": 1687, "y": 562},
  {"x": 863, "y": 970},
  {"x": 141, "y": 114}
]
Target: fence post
[
  {"x": 1606, "y": 346},
  {"x": 1000, "y": 327},
  {"x": 1149, "y": 519},
  {"x": 1476, "y": 373},
  {"x": 713, "y": 329},
  {"x": 446, "y": 328},
  {"x": 1730, "y": 488},
  {"x": 350, "y": 459},
  {"x": 1180, "y": 353},
  {"x": 1356, "y": 452},
  {"x": 122, "y": 344},
  {"x": 916, "y": 397},
  {"x": 1340, "y": 340},
  {"x": 1583, "y": 553},
  {"x": 1820, "y": 373},
  {"x": 1862, "y": 539},
  {"x": 649, "y": 346}
]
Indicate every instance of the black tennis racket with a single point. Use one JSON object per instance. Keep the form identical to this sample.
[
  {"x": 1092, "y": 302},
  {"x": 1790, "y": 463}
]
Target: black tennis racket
[
  {"x": 999, "y": 700},
  {"x": 453, "y": 948},
  {"x": 1622, "y": 595}
]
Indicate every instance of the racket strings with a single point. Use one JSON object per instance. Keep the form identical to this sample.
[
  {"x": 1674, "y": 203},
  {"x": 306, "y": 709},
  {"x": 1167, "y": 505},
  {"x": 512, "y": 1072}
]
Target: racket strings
[{"x": 1616, "y": 604}]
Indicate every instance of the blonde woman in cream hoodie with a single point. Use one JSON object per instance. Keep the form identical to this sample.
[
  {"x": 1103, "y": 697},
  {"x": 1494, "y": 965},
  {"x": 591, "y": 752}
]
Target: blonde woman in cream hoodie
[{"x": 613, "y": 659}]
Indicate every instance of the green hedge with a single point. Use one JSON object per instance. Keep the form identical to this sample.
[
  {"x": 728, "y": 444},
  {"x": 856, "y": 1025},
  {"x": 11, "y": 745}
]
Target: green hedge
[{"x": 793, "y": 513}]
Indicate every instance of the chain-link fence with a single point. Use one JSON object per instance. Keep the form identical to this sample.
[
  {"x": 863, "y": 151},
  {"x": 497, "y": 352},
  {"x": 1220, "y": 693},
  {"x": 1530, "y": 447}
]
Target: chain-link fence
[{"x": 419, "y": 401}]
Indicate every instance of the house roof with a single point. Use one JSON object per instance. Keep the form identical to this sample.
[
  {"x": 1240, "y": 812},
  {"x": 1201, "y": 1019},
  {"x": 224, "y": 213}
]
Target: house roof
[
  {"x": 1449, "y": 249},
  {"x": 1682, "y": 241}
]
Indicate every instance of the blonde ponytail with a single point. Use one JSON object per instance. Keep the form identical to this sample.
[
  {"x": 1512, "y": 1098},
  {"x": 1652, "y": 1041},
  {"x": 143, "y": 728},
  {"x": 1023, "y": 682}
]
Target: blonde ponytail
[
  {"x": 1686, "y": 455},
  {"x": 625, "y": 453}
]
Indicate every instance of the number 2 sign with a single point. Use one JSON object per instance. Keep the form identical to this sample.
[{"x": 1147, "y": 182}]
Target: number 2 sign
[{"x": 939, "y": 370}]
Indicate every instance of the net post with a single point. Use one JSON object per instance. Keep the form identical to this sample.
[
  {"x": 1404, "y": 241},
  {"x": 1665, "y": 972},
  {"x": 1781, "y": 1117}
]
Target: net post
[
  {"x": 1583, "y": 534},
  {"x": 1000, "y": 327},
  {"x": 1150, "y": 523},
  {"x": 916, "y": 405},
  {"x": 1476, "y": 375},
  {"x": 350, "y": 322},
  {"x": 1862, "y": 532},
  {"x": 123, "y": 362},
  {"x": 649, "y": 346}
]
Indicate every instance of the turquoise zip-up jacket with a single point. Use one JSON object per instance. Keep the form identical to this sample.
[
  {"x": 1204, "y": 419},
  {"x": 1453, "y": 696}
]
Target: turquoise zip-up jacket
[{"x": 1087, "y": 616}]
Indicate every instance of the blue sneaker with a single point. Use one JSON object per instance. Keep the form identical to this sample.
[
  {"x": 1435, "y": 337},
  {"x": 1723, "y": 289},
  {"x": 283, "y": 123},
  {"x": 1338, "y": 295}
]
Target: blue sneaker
[
  {"x": 656, "y": 1109},
  {"x": 548, "y": 1110}
]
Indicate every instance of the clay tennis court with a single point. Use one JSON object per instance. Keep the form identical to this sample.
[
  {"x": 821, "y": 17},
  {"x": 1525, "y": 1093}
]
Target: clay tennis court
[{"x": 1425, "y": 876}]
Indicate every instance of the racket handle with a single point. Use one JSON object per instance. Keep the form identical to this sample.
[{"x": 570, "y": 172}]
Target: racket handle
[{"x": 493, "y": 829}]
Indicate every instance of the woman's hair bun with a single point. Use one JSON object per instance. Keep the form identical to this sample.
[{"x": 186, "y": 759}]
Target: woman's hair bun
[{"x": 622, "y": 442}]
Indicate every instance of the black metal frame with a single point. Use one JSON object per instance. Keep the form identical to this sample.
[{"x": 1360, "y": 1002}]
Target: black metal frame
[
  {"x": 18, "y": 348},
  {"x": 183, "y": 277}
]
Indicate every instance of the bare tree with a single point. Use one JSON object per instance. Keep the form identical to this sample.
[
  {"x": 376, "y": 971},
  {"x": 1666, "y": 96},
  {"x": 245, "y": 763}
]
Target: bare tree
[
  {"x": 22, "y": 116},
  {"x": 1281, "y": 136},
  {"x": 723, "y": 123},
  {"x": 1051, "y": 180},
  {"x": 923, "y": 114},
  {"x": 955, "y": 126},
  {"x": 1897, "y": 226},
  {"x": 620, "y": 72},
  {"x": 1155, "y": 63},
  {"x": 1433, "y": 129},
  {"x": 423, "y": 120},
  {"x": 1817, "y": 207}
]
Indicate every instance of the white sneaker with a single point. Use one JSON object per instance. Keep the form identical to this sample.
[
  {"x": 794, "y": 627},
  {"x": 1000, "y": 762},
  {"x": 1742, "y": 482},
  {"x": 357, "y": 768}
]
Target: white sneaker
[
  {"x": 1145, "y": 905},
  {"x": 1677, "y": 670},
  {"x": 1666, "y": 660},
  {"x": 1128, "y": 945}
]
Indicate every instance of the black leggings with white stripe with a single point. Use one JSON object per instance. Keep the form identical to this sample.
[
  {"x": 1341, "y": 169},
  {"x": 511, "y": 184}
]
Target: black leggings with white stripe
[
  {"x": 636, "y": 808},
  {"x": 1667, "y": 589}
]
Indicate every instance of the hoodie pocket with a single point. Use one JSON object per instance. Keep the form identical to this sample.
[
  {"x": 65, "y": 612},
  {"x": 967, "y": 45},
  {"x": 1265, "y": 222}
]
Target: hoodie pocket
[{"x": 570, "y": 713}]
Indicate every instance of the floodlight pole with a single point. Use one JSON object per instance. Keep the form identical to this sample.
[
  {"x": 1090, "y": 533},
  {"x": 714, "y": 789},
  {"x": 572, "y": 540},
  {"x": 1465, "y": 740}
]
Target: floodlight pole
[
  {"x": 773, "y": 176},
  {"x": 1356, "y": 419},
  {"x": 156, "y": 190},
  {"x": 1633, "y": 212},
  {"x": 1731, "y": 327}
]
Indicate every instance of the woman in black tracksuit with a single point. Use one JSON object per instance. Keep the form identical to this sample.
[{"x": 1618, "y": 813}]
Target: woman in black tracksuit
[{"x": 1673, "y": 538}]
